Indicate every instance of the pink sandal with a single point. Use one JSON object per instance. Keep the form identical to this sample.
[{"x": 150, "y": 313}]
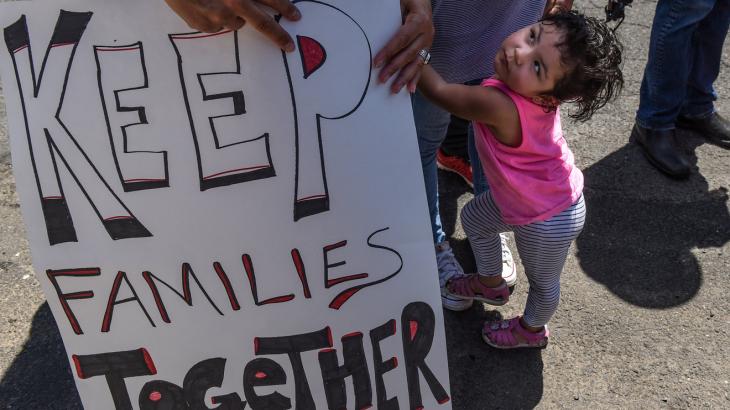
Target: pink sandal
[
  {"x": 500, "y": 334},
  {"x": 463, "y": 287}
]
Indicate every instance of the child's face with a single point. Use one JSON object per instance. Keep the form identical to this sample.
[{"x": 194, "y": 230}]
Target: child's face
[{"x": 529, "y": 60}]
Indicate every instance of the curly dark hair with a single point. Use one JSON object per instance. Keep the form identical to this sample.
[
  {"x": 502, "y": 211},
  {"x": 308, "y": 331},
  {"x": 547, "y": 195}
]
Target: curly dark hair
[{"x": 592, "y": 52}]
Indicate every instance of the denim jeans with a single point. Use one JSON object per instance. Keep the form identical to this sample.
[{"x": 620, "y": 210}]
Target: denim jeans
[
  {"x": 684, "y": 61},
  {"x": 432, "y": 122}
]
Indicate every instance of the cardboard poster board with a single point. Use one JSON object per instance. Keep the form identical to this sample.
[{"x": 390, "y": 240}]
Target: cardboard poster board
[{"x": 217, "y": 224}]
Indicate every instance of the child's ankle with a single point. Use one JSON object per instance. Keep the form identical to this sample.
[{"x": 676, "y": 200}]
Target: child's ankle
[
  {"x": 529, "y": 328},
  {"x": 490, "y": 281}
]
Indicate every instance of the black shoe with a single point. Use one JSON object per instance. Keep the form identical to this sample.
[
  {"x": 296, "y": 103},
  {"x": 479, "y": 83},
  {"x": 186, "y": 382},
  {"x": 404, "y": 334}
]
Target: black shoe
[
  {"x": 715, "y": 128},
  {"x": 661, "y": 150}
]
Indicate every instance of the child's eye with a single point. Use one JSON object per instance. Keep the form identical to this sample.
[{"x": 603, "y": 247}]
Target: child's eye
[
  {"x": 537, "y": 68},
  {"x": 532, "y": 34}
]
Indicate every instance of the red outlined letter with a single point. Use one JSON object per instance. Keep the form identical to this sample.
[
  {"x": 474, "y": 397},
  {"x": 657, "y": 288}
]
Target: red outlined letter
[
  {"x": 186, "y": 296},
  {"x": 328, "y": 283},
  {"x": 63, "y": 298},
  {"x": 107, "y": 322},
  {"x": 248, "y": 266}
]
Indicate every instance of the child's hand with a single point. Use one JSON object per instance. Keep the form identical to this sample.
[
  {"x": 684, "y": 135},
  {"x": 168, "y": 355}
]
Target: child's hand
[{"x": 211, "y": 16}]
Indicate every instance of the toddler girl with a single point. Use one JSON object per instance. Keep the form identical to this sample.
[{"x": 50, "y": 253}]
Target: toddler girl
[{"x": 535, "y": 188}]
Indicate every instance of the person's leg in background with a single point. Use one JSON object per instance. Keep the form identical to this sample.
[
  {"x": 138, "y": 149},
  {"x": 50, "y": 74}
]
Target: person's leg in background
[
  {"x": 664, "y": 86},
  {"x": 453, "y": 156},
  {"x": 431, "y": 125},
  {"x": 698, "y": 112},
  {"x": 480, "y": 180}
]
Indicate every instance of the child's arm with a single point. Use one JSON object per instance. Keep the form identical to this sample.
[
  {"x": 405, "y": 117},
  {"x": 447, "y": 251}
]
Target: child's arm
[{"x": 475, "y": 103}]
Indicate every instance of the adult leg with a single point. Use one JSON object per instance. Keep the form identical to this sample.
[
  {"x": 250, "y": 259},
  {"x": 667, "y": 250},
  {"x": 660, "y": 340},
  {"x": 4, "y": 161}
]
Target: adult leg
[
  {"x": 453, "y": 155},
  {"x": 666, "y": 75},
  {"x": 663, "y": 88},
  {"x": 431, "y": 125},
  {"x": 698, "y": 112},
  {"x": 480, "y": 180}
]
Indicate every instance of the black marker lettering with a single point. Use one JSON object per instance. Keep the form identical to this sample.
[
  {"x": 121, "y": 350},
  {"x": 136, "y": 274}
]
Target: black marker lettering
[
  {"x": 293, "y": 346},
  {"x": 115, "y": 367},
  {"x": 381, "y": 367},
  {"x": 355, "y": 365},
  {"x": 264, "y": 372},
  {"x": 49, "y": 138},
  {"x": 205, "y": 80},
  {"x": 122, "y": 80},
  {"x": 417, "y": 324}
]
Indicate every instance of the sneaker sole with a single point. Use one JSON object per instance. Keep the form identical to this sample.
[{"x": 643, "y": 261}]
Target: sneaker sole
[
  {"x": 493, "y": 302},
  {"x": 458, "y": 305},
  {"x": 511, "y": 279}
]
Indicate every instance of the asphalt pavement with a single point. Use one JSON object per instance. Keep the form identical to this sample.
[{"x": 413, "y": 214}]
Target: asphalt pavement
[{"x": 644, "y": 320}]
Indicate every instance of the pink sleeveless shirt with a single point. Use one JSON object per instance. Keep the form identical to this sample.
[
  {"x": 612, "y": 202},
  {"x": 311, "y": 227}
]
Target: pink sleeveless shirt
[{"x": 536, "y": 180}]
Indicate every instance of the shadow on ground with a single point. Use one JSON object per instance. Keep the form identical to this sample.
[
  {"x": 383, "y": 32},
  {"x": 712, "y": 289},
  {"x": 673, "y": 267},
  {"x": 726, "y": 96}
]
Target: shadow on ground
[
  {"x": 638, "y": 242},
  {"x": 482, "y": 377},
  {"x": 39, "y": 378}
]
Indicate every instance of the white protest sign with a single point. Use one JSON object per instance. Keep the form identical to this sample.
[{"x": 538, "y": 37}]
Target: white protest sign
[{"x": 217, "y": 224}]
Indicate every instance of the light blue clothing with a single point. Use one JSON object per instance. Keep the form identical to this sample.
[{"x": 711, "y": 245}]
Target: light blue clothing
[{"x": 685, "y": 53}]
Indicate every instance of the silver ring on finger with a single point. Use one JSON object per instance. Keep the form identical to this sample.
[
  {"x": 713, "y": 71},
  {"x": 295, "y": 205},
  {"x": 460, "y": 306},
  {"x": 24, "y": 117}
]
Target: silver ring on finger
[{"x": 425, "y": 56}]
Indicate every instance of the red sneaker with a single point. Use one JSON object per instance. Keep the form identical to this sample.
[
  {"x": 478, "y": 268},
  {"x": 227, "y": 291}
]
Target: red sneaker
[{"x": 456, "y": 165}]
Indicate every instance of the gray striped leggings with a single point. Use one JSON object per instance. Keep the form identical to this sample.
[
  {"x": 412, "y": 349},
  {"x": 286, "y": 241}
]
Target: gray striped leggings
[{"x": 543, "y": 247}]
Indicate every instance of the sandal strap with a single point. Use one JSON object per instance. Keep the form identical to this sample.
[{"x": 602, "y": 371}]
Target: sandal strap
[
  {"x": 461, "y": 285},
  {"x": 501, "y": 333},
  {"x": 530, "y": 337},
  {"x": 464, "y": 286},
  {"x": 500, "y": 292}
]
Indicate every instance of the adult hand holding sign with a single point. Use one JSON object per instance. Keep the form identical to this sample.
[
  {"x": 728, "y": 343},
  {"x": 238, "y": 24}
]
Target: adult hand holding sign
[
  {"x": 210, "y": 16},
  {"x": 399, "y": 56}
]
